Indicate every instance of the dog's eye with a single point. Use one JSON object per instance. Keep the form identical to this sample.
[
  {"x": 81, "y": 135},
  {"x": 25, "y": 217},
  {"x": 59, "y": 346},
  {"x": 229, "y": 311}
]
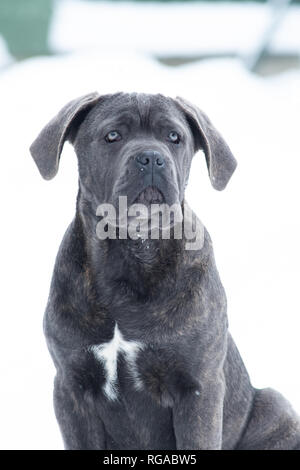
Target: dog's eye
[
  {"x": 174, "y": 137},
  {"x": 113, "y": 136}
]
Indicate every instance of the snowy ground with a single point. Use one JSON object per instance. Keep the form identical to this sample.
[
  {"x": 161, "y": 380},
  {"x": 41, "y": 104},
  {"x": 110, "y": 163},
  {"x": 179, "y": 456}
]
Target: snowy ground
[{"x": 254, "y": 223}]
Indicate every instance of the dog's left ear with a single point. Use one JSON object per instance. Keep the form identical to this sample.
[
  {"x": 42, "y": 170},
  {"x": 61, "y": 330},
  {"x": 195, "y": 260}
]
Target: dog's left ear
[{"x": 220, "y": 161}]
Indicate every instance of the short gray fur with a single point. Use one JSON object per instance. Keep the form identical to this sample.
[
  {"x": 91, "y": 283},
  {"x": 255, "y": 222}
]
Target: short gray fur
[{"x": 194, "y": 390}]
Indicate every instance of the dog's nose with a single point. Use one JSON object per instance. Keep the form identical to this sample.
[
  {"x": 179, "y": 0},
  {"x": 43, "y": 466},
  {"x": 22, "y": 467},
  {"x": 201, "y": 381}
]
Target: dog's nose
[{"x": 149, "y": 158}]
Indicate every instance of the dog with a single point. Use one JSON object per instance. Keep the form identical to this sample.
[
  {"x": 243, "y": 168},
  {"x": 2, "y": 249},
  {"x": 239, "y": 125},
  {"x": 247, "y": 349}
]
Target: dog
[{"x": 137, "y": 328}]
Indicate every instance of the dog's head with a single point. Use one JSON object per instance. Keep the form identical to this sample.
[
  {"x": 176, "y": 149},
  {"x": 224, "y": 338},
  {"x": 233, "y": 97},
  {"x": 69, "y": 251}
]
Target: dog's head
[{"x": 135, "y": 145}]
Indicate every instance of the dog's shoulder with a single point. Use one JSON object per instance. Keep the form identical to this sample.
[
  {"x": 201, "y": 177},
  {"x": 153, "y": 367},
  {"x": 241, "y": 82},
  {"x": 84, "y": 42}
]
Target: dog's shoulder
[{"x": 73, "y": 304}]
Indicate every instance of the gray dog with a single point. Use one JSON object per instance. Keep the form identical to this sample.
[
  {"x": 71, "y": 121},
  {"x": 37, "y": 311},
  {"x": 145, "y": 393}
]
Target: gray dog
[{"x": 137, "y": 328}]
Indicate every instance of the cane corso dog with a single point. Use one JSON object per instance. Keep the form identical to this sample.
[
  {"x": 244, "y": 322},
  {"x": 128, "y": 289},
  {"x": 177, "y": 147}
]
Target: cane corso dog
[{"x": 137, "y": 328}]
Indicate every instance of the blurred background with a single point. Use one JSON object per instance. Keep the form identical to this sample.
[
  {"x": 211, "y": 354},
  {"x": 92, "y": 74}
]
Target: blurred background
[{"x": 238, "y": 61}]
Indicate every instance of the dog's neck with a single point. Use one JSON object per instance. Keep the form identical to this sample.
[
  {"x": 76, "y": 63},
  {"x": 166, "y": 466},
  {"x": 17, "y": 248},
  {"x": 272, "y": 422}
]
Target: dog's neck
[{"x": 138, "y": 265}]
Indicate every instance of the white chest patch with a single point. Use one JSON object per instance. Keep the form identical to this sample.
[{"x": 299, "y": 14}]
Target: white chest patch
[{"x": 107, "y": 354}]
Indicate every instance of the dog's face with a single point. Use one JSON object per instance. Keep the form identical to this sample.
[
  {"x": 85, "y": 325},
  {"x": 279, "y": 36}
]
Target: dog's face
[
  {"x": 128, "y": 144},
  {"x": 135, "y": 145}
]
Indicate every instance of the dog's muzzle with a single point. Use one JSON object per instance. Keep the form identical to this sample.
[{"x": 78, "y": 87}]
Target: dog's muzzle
[
  {"x": 148, "y": 176},
  {"x": 152, "y": 168},
  {"x": 150, "y": 195},
  {"x": 150, "y": 161}
]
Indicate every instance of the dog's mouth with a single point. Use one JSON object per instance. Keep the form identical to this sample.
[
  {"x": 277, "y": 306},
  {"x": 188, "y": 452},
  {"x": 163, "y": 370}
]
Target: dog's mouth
[{"x": 150, "y": 195}]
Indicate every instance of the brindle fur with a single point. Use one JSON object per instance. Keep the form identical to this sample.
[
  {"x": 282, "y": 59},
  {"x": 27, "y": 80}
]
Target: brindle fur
[{"x": 196, "y": 393}]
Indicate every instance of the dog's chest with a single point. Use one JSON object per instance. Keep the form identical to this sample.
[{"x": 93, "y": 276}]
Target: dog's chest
[{"x": 108, "y": 354}]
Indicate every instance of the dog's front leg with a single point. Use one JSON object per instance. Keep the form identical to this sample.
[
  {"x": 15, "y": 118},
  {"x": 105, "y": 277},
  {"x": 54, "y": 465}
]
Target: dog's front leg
[
  {"x": 76, "y": 413},
  {"x": 198, "y": 416}
]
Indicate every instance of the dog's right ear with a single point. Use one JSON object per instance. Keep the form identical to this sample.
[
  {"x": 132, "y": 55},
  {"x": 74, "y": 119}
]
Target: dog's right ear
[{"x": 47, "y": 147}]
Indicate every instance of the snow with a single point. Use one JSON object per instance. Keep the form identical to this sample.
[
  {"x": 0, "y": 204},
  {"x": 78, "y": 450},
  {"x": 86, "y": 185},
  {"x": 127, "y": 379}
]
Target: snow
[
  {"x": 254, "y": 223},
  {"x": 171, "y": 28},
  {"x": 5, "y": 57}
]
